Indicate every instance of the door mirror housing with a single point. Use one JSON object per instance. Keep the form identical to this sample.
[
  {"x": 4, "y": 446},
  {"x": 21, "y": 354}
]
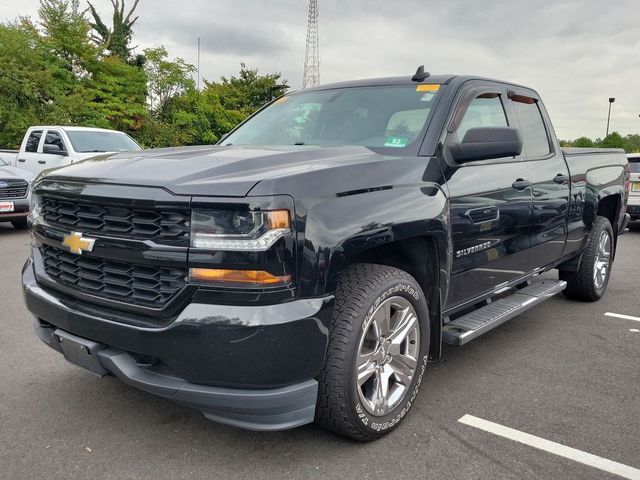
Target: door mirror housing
[
  {"x": 53, "y": 149},
  {"x": 485, "y": 143}
]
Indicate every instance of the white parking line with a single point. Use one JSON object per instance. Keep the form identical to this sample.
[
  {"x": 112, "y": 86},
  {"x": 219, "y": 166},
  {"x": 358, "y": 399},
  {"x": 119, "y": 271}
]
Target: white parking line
[
  {"x": 594, "y": 461},
  {"x": 625, "y": 317}
]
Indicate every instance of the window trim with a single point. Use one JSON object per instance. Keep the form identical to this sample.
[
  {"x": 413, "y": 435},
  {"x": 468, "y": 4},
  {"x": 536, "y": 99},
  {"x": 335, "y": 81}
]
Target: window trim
[
  {"x": 40, "y": 140},
  {"x": 545, "y": 123},
  {"x": 62, "y": 137},
  {"x": 466, "y": 94}
]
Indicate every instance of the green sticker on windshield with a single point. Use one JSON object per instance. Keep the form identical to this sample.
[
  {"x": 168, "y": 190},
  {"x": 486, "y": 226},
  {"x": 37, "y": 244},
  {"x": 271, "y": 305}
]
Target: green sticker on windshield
[{"x": 396, "y": 142}]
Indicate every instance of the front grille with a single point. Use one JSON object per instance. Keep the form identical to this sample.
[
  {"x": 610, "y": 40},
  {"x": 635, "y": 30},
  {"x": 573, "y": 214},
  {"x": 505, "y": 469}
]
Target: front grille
[
  {"x": 164, "y": 225},
  {"x": 14, "y": 189},
  {"x": 137, "y": 284}
]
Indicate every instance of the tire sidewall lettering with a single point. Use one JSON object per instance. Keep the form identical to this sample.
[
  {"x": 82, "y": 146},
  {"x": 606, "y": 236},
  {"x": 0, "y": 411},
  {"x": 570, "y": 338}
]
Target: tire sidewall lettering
[{"x": 373, "y": 423}]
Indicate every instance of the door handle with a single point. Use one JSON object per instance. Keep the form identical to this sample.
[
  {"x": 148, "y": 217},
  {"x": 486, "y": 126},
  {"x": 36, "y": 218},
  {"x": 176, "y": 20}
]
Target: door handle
[
  {"x": 42, "y": 162},
  {"x": 521, "y": 184},
  {"x": 560, "y": 178},
  {"x": 21, "y": 160}
]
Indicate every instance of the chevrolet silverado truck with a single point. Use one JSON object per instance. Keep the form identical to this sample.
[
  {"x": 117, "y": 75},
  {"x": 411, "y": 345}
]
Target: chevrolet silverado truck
[{"x": 309, "y": 266}]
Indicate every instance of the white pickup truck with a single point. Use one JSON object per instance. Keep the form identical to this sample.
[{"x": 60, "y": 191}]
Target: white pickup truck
[{"x": 46, "y": 147}]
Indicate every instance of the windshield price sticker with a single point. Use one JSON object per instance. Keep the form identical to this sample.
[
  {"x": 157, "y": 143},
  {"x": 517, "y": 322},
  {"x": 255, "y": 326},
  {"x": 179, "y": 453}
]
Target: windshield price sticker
[{"x": 396, "y": 142}]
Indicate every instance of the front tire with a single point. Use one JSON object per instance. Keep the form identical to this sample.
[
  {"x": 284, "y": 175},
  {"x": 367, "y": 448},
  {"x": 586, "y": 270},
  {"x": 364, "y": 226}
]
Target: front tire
[
  {"x": 377, "y": 352},
  {"x": 590, "y": 281}
]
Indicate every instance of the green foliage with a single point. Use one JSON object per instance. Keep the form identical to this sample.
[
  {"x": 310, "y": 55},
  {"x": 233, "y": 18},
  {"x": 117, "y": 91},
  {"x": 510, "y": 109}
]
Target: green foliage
[
  {"x": 583, "y": 142},
  {"x": 613, "y": 140},
  {"x": 630, "y": 143},
  {"x": 116, "y": 96},
  {"x": 27, "y": 81},
  {"x": 65, "y": 31},
  {"x": 63, "y": 69},
  {"x": 248, "y": 91},
  {"x": 166, "y": 79}
]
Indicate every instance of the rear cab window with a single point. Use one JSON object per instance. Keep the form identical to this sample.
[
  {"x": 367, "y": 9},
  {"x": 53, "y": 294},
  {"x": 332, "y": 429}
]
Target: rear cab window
[
  {"x": 535, "y": 138},
  {"x": 33, "y": 141}
]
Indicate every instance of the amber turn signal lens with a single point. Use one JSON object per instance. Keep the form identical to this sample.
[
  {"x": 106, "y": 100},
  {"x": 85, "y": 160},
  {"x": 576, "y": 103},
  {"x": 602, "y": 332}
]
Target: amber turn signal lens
[
  {"x": 278, "y": 219},
  {"x": 248, "y": 277}
]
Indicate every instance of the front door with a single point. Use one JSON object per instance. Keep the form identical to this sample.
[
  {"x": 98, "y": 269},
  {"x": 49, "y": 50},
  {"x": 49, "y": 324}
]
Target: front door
[
  {"x": 490, "y": 212},
  {"x": 50, "y": 160}
]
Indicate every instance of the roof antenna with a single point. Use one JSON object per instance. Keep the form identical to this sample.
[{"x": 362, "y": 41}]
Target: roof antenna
[{"x": 420, "y": 74}]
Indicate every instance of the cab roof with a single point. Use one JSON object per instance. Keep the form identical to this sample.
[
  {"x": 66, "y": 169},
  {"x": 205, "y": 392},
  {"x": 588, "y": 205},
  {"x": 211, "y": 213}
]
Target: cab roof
[{"x": 407, "y": 80}]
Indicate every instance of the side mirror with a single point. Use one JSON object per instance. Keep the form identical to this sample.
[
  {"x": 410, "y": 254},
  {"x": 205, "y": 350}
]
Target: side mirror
[
  {"x": 53, "y": 149},
  {"x": 486, "y": 143}
]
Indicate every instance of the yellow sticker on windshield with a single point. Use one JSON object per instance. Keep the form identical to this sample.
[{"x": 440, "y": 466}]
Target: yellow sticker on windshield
[
  {"x": 281, "y": 100},
  {"x": 428, "y": 88}
]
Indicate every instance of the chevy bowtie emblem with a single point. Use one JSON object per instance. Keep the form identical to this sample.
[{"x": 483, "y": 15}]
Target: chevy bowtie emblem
[{"x": 77, "y": 243}]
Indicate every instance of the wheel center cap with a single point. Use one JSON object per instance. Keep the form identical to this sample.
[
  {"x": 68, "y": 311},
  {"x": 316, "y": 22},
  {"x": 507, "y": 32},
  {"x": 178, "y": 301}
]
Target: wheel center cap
[{"x": 382, "y": 354}]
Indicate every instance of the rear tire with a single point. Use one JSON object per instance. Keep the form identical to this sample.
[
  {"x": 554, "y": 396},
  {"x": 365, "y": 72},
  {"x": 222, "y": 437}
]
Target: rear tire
[
  {"x": 590, "y": 281},
  {"x": 20, "y": 224},
  {"x": 377, "y": 352}
]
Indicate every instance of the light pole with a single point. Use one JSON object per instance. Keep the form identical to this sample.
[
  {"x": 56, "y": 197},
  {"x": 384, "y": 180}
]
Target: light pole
[{"x": 611, "y": 100}]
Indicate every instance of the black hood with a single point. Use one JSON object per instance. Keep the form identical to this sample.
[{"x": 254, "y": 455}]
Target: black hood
[{"x": 211, "y": 170}]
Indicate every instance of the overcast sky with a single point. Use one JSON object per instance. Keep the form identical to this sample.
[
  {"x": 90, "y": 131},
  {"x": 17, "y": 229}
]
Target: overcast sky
[{"x": 576, "y": 53}]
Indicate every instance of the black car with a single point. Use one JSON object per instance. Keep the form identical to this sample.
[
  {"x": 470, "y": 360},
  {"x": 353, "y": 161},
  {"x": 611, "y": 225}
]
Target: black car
[{"x": 308, "y": 266}]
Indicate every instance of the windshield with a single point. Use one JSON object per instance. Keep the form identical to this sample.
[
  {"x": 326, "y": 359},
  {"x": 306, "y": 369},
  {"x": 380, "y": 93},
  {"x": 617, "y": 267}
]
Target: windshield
[
  {"x": 96, "y": 141},
  {"x": 386, "y": 116},
  {"x": 634, "y": 164}
]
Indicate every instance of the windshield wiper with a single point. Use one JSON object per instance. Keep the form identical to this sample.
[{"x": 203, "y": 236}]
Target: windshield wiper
[{"x": 93, "y": 151}]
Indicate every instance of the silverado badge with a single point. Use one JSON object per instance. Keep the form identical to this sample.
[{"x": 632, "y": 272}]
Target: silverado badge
[{"x": 77, "y": 243}]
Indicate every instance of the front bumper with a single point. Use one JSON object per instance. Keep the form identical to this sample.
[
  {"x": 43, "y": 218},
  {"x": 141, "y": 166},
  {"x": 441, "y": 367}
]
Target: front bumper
[
  {"x": 21, "y": 209},
  {"x": 251, "y": 367}
]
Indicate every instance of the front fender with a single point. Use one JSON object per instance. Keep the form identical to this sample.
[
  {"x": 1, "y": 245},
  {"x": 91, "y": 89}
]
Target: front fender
[{"x": 340, "y": 227}]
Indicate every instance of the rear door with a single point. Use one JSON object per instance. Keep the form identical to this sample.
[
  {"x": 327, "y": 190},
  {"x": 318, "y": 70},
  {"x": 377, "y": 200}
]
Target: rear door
[
  {"x": 549, "y": 177},
  {"x": 28, "y": 155},
  {"x": 489, "y": 216}
]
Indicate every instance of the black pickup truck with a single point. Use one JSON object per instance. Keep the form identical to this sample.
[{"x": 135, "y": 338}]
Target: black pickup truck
[{"x": 308, "y": 266}]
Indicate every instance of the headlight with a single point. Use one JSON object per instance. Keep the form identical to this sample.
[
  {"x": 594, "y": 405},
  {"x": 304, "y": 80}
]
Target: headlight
[
  {"x": 236, "y": 246},
  {"x": 233, "y": 230}
]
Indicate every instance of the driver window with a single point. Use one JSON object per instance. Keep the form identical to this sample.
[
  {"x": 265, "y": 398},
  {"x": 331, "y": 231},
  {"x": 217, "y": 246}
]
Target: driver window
[
  {"x": 54, "y": 138},
  {"x": 484, "y": 111}
]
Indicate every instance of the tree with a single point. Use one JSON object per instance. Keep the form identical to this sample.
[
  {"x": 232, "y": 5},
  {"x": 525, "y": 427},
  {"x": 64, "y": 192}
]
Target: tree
[
  {"x": 28, "y": 81},
  {"x": 116, "y": 96},
  {"x": 249, "y": 91},
  {"x": 116, "y": 39},
  {"x": 65, "y": 31},
  {"x": 583, "y": 142},
  {"x": 166, "y": 79},
  {"x": 613, "y": 140}
]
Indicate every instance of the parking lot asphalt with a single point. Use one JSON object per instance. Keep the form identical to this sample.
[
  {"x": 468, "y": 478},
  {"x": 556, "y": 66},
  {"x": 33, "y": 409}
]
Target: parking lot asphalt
[{"x": 562, "y": 371}]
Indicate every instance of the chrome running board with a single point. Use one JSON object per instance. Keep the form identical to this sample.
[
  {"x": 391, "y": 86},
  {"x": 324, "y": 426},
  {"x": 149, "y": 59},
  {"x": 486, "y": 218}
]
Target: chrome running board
[{"x": 464, "y": 329}]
